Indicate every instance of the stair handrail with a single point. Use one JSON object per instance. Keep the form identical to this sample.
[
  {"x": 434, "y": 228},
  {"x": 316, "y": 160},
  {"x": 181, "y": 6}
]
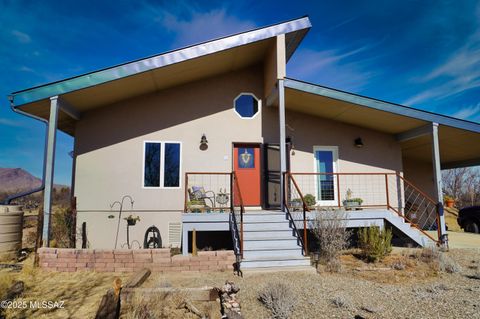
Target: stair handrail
[
  {"x": 305, "y": 209},
  {"x": 236, "y": 185},
  {"x": 428, "y": 198}
]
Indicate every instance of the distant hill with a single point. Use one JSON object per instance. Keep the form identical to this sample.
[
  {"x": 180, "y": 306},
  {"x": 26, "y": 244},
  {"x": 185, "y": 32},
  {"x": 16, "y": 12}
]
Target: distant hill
[{"x": 18, "y": 179}]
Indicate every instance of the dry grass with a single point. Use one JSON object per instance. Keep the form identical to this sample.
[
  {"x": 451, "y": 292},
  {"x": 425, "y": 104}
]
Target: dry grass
[
  {"x": 80, "y": 291},
  {"x": 385, "y": 288},
  {"x": 279, "y": 299}
]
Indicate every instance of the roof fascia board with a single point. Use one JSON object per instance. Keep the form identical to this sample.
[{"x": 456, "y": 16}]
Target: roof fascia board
[
  {"x": 147, "y": 64},
  {"x": 382, "y": 105}
]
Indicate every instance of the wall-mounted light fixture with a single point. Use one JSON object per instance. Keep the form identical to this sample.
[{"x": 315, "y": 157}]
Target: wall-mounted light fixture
[
  {"x": 358, "y": 142},
  {"x": 203, "y": 142}
]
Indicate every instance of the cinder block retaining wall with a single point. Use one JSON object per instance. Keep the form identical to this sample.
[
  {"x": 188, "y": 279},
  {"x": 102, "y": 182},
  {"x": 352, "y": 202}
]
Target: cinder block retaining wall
[{"x": 123, "y": 260}]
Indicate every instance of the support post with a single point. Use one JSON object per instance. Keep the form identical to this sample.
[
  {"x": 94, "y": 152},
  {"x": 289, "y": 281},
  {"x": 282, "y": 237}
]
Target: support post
[
  {"x": 437, "y": 177},
  {"x": 49, "y": 169},
  {"x": 283, "y": 149}
]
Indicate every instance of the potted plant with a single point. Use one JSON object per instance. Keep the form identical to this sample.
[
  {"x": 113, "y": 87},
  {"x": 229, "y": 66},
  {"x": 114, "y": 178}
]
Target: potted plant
[
  {"x": 352, "y": 203},
  {"x": 132, "y": 220},
  {"x": 449, "y": 201},
  {"x": 195, "y": 206},
  {"x": 310, "y": 200}
]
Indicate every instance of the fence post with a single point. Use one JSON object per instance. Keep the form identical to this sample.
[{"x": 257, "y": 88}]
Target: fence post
[
  {"x": 73, "y": 230},
  {"x": 338, "y": 190},
  {"x": 387, "y": 191},
  {"x": 186, "y": 193}
]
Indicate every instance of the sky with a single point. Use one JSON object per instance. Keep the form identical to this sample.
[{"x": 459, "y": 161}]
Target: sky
[{"x": 424, "y": 54}]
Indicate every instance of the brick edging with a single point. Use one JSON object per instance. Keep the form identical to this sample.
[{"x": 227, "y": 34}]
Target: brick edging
[{"x": 124, "y": 260}]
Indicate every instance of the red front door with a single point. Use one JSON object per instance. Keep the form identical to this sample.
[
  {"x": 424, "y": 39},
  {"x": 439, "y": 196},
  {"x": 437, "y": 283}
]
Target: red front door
[{"x": 246, "y": 164}]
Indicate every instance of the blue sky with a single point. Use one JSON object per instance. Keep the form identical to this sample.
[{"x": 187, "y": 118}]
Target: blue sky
[{"x": 424, "y": 54}]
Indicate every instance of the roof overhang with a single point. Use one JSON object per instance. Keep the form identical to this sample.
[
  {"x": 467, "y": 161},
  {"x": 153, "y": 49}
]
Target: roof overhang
[
  {"x": 459, "y": 139},
  {"x": 131, "y": 79}
]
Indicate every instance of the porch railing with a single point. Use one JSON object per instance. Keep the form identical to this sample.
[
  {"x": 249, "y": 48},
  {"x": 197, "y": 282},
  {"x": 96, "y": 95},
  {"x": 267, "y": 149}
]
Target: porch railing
[
  {"x": 208, "y": 192},
  {"x": 358, "y": 191}
]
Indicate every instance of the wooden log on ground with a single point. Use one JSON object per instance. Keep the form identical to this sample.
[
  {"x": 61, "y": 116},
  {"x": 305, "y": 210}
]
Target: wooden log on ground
[
  {"x": 111, "y": 303},
  {"x": 109, "y": 306},
  {"x": 138, "y": 278},
  {"x": 194, "y": 294}
]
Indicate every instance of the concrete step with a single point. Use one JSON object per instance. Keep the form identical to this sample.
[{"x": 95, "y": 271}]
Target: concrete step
[
  {"x": 268, "y": 235},
  {"x": 275, "y": 263},
  {"x": 272, "y": 226},
  {"x": 290, "y": 253},
  {"x": 264, "y": 218},
  {"x": 290, "y": 243}
]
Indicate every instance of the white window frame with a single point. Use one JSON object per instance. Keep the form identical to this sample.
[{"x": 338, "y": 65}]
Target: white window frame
[
  {"x": 162, "y": 165},
  {"x": 259, "y": 101},
  {"x": 334, "y": 150}
]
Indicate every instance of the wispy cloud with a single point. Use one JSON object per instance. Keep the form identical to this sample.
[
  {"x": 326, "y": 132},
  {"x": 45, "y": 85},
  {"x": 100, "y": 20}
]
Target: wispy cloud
[
  {"x": 202, "y": 26},
  {"x": 21, "y": 37},
  {"x": 342, "y": 67},
  {"x": 456, "y": 74},
  {"x": 471, "y": 112},
  {"x": 7, "y": 122}
]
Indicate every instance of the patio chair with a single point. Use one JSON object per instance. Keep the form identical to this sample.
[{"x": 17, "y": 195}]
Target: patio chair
[{"x": 199, "y": 195}]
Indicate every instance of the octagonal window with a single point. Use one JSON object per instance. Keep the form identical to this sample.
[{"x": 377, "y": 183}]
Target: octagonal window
[{"x": 246, "y": 105}]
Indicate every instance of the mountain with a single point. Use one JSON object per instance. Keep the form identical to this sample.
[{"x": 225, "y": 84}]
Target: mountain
[{"x": 17, "y": 179}]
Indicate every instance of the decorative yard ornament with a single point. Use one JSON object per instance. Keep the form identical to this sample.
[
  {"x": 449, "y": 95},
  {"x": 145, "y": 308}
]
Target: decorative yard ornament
[{"x": 246, "y": 158}]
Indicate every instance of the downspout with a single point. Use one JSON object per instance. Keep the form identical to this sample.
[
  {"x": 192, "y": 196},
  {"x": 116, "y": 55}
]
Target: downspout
[{"x": 42, "y": 186}]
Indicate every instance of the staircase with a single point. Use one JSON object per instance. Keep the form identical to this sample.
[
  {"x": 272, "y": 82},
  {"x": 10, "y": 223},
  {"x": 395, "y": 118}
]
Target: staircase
[
  {"x": 409, "y": 230},
  {"x": 269, "y": 241}
]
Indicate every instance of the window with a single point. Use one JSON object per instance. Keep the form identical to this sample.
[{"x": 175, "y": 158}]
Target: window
[
  {"x": 161, "y": 164},
  {"x": 246, "y": 105}
]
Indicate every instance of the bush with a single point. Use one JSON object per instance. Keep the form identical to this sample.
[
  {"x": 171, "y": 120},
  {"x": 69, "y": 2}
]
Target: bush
[
  {"x": 62, "y": 227},
  {"x": 447, "y": 264},
  {"x": 329, "y": 228},
  {"x": 279, "y": 299},
  {"x": 309, "y": 200},
  {"x": 375, "y": 244}
]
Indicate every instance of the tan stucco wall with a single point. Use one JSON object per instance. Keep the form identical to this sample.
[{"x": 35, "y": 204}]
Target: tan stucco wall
[
  {"x": 109, "y": 148},
  {"x": 101, "y": 230},
  {"x": 381, "y": 153},
  {"x": 420, "y": 174}
]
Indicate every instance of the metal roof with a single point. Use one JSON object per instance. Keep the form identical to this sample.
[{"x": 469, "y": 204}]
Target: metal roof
[{"x": 295, "y": 30}]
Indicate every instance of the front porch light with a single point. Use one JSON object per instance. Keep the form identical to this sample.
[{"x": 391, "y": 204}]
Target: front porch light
[{"x": 203, "y": 142}]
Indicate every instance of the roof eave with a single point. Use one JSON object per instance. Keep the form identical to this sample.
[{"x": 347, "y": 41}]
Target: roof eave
[
  {"x": 300, "y": 26},
  {"x": 382, "y": 105}
]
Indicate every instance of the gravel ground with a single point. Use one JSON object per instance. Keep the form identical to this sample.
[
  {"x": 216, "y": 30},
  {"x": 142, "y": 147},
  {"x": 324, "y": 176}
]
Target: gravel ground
[{"x": 415, "y": 292}]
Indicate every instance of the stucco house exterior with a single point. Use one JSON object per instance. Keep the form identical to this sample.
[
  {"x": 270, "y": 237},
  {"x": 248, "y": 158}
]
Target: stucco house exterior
[{"x": 216, "y": 137}]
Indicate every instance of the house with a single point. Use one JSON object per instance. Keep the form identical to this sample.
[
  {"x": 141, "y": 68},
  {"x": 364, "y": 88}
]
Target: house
[{"x": 216, "y": 138}]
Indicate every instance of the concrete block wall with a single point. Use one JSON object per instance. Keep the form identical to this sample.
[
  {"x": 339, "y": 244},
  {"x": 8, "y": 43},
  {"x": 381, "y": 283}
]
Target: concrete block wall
[{"x": 124, "y": 260}]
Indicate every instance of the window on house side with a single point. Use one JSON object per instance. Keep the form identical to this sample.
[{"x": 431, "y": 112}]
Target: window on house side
[
  {"x": 161, "y": 164},
  {"x": 246, "y": 105},
  {"x": 172, "y": 165},
  {"x": 152, "y": 165}
]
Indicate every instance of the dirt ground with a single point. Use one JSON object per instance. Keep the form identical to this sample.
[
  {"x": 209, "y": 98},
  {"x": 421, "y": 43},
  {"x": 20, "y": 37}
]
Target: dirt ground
[{"x": 402, "y": 286}]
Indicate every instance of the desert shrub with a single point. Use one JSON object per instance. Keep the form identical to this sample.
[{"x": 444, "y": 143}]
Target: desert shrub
[
  {"x": 447, "y": 264},
  {"x": 62, "y": 226},
  {"x": 279, "y": 298},
  {"x": 157, "y": 306},
  {"x": 438, "y": 260},
  {"x": 341, "y": 302},
  {"x": 399, "y": 265},
  {"x": 375, "y": 243},
  {"x": 329, "y": 228},
  {"x": 310, "y": 200}
]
